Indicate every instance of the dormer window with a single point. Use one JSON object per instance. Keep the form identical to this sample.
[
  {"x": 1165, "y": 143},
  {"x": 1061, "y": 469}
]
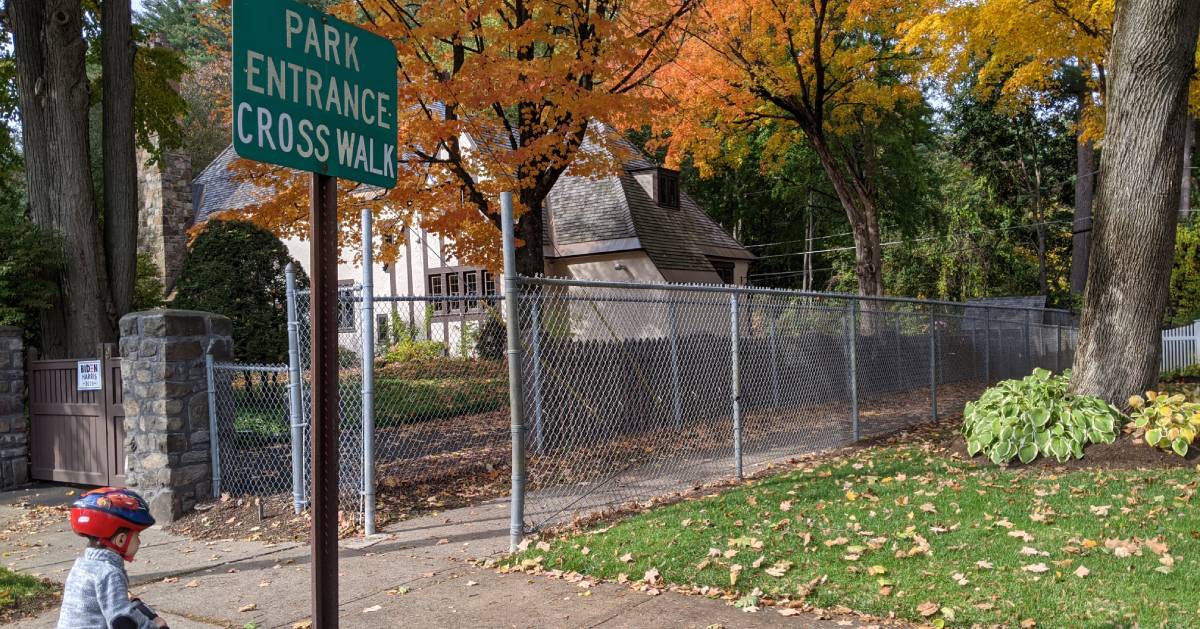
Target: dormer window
[{"x": 666, "y": 188}]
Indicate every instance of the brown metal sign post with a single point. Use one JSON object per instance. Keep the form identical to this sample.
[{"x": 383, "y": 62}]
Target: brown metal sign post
[{"x": 324, "y": 421}]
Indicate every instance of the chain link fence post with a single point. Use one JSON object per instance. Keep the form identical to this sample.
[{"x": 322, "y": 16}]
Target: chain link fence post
[
  {"x": 987, "y": 346},
  {"x": 852, "y": 368},
  {"x": 933, "y": 409},
  {"x": 676, "y": 393},
  {"x": 735, "y": 384},
  {"x": 368, "y": 375},
  {"x": 771, "y": 316},
  {"x": 213, "y": 438},
  {"x": 535, "y": 341},
  {"x": 1028, "y": 345},
  {"x": 516, "y": 393},
  {"x": 1058, "y": 349},
  {"x": 295, "y": 411}
]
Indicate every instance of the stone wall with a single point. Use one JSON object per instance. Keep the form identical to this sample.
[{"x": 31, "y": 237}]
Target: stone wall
[
  {"x": 167, "y": 452},
  {"x": 164, "y": 211},
  {"x": 14, "y": 426}
]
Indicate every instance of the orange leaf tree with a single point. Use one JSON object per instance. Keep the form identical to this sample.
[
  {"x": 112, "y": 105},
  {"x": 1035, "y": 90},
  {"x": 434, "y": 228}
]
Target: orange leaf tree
[
  {"x": 494, "y": 95},
  {"x": 825, "y": 72}
]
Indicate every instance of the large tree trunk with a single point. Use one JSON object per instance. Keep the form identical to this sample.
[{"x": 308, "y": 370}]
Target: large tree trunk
[
  {"x": 27, "y": 18},
  {"x": 862, "y": 214},
  {"x": 530, "y": 256},
  {"x": 120, "y": 165},
  {"x": 1081, "y": 227},
  {"x": 1153, "y": 51},
  {"x": 54, "y": 84}
]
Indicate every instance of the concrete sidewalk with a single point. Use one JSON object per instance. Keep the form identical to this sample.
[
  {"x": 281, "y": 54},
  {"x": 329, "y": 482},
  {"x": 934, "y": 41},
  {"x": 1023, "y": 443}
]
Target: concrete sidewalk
[{"x": 417, "y": 573}]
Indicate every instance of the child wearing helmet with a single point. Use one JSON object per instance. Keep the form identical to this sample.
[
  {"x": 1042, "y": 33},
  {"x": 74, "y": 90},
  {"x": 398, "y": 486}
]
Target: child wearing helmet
[{"x": 96, "y": 593}]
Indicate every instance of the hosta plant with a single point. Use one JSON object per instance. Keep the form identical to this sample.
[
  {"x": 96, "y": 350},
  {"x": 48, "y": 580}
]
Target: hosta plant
[
  {"x": 1168, "y": 421},
  {"x": 1035, "y": 416}
]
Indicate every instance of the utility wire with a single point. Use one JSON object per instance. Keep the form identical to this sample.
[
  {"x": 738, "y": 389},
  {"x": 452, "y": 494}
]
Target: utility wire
[{"x": 924, "y": 239}]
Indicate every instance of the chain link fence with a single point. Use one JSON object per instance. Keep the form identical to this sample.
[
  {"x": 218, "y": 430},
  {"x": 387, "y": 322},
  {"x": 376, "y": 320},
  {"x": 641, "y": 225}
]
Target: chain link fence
[
  {"x": 637, "y": 391},
  {"x": 631, "y": 391}
]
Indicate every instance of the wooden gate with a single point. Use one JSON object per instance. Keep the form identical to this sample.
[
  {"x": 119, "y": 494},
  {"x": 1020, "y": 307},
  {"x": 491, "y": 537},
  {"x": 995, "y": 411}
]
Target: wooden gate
[{"x": 76, "y": 436}]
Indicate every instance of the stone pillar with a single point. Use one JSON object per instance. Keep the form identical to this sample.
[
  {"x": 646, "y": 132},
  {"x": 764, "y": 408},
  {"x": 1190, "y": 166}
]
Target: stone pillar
[
  {"x": 167, "y": 456},
  {"x": 14, "y": 426}
]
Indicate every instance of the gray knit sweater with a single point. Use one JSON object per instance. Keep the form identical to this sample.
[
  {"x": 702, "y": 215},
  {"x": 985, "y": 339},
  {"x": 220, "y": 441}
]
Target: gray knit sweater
[{"x": 96, "y": 595}]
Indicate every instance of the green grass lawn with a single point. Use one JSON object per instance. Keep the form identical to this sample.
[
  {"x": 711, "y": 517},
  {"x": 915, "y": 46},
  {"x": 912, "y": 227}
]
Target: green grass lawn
[
  {"x": 406, "y": 393},
  {"x": 21, "y": 594},
  {"x": 907, "y": 529}
]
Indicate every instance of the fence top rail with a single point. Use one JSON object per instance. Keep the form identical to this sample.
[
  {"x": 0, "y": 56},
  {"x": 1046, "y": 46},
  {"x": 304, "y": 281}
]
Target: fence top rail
[
  {"x": 250, "y": 367},
  {"x": 752, "y": 290}
]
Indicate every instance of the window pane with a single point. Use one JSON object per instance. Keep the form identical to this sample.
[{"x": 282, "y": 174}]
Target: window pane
[
  {"x": 452, "y": 289},
  {"x": 471, "y": 287},
  {"x": 489, "y": 283},
  {"x": 435, "y": 288}
]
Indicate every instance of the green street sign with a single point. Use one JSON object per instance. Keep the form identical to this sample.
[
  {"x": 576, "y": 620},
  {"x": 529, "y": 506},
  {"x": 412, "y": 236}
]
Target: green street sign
[{"x": 312, "y": 92}]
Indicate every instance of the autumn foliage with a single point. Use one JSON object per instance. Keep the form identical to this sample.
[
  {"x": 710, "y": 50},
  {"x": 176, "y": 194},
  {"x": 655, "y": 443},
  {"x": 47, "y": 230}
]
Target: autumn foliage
[
  {"x": 824, "y": 72},
  {"x": 493, "y": 95}
]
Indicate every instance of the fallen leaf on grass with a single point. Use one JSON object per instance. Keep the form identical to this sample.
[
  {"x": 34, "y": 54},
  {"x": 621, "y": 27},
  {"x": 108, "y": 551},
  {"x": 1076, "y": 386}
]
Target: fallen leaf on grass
[
  {"x": 983, "y": 564},
  {"x": 1029, "y": 550},
  {"x": 779, "y": 568},
  {"x": 585, "y": 551},
  {"x": 1082, "y": 572},
  {"x": 984, "y": 606},
  {"x": 876, "y": 570},
  {"x": 785, "y": 506},
  {"x": 735, "y": 571},
  {"x": 1028, "y": 623},
  {"x": 1036, "y": 568},
  {"x": 652, "y": 576},
  {"x": 627, "y": 557},
  {"x": 1100, "y": 510},
  {"x": 543, "y": 546},
  {"x": 959, "y": 578},
  {"x": 928, "y": 608},
  {"x": 1022, "y": 535},
  {"x": 837, "y": 541}
]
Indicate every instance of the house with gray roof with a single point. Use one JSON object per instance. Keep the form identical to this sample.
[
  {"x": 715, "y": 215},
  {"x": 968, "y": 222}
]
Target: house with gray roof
[{"x": 633, "y": 225}]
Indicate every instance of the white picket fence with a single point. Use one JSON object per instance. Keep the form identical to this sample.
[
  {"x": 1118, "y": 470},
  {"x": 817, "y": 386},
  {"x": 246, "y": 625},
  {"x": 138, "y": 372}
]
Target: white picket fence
[{"x": 1181, "y": 347}]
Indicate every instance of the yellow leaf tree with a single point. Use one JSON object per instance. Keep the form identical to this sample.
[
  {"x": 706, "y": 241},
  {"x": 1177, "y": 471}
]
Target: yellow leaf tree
[
  {"x": 825, "y": 72},
  {"x": 494, "y": 95}
]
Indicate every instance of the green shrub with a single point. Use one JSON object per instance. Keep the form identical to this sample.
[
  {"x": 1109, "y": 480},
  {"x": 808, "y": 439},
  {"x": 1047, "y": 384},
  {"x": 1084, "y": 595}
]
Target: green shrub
[
  {"x": 235, "y": 268},
  {"x": 408, "y": 350},
  {"x": 492, "y": 339},
  {"x": 348, "y": 358},
  {"x": 1191, "y": 373},
  {"x": 1169, "y": 422},
  {"x": 1036, "y": 416}
]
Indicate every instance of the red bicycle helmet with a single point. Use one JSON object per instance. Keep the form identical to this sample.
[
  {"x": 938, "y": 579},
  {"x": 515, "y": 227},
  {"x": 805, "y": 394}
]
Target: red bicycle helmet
[{"x": 104, "y": 512}]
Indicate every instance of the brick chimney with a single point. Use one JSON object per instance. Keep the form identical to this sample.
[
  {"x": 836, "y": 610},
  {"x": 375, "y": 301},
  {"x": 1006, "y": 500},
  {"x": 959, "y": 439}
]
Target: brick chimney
[{"x": 164, "y": 211}]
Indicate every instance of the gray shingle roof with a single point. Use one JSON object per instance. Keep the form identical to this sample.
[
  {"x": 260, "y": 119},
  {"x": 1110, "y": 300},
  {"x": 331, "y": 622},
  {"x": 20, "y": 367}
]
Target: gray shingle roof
[{"x": 215, "y": 190}]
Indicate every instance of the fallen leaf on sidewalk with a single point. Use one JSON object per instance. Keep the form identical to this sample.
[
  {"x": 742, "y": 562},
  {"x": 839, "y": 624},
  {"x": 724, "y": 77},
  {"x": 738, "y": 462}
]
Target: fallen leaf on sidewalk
[
  {"x": 249, "y": 607},
  {"x": 264, "y": 584},
  {"x": 373, "y": 608},
  {"x": 788, "y": 611},
  {"x": 170, "y": 580},
  {"x": 399, "y": 590},
  {"x": 192, "y": 584},
  {"x": 470, "y": 583},
  {"x": 302, "y": 624}
]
